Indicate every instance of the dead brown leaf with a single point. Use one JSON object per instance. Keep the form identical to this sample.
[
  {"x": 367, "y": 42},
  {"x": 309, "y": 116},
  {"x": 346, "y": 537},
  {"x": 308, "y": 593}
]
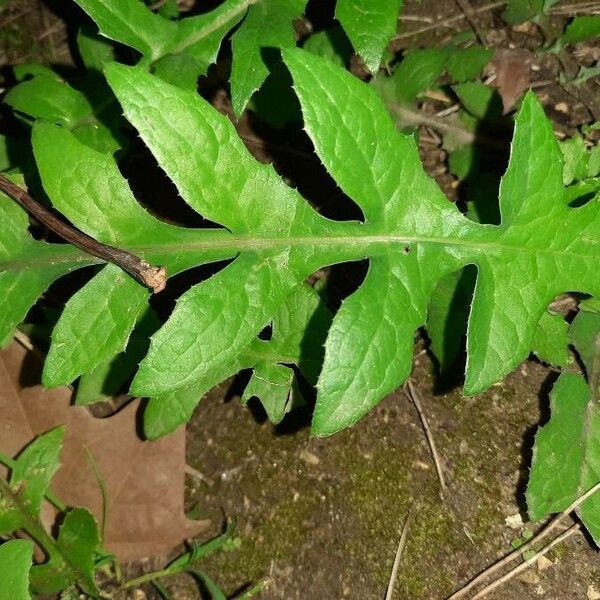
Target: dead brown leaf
[
  {"x": 144, "y": 480},
  {"x": 513, "y": 75}
]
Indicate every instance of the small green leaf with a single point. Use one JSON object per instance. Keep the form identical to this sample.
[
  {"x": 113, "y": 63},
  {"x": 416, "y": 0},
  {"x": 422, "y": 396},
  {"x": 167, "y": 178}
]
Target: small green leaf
[
  {"x": 466, "y": 64},
  {"x": 95, "y": 51},
  {"x": 272, "y": 385},
  {"x": 332, "y": 44},
  {"x": 211, "y": 586},
  {"x": 479, "y": 99},
  {"x": 551, "y": 340},
  {"x": 576, "y": 158},
  {"x": 200, "y": 36},
  {"x": 35, "y": 468},
  {"x": 518, "y": 11},
  {"x": 78, "y": 540},
  {"x": 370, "y": 26},
  {"x": 418, "y": 72},
  {"x": 584, "y": 335},
  {"x": 16, "y": 557},
  {"x": 566, "y": 457},
  {"x": 50, "y": 99},
  {"x": 181, "y": 70},
  {"x": 581, "y": 29},
  {"x": 31, "y": 70},
  {"x": 132, "y": 23}
]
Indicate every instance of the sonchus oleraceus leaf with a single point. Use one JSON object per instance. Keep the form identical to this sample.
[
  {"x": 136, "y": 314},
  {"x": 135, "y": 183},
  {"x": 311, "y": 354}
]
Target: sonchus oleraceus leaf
[{"x": 411, "y": 235}]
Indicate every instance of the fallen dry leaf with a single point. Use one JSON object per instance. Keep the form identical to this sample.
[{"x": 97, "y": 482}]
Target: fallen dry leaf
[
  {"x": 513, "y": 75},
  {"x": 144, "y": 480}
]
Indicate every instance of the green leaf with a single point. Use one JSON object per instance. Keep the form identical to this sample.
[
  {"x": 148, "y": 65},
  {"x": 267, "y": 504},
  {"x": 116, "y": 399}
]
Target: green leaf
[
  {"x": 213, "y": 589},
  {"x": 466, "y": 64},
  {"x": 35, "y": 468},
  {"x": 566, "y": 457},
  {"x": 411, "y": 235},
  {"x": 95, "y": 51},
  {"x": 479, "y": 99},
  {"x": 132, "y": 23},
  {"x": 30, "y": 478},
  {"x": 16, "y": 557},
  {"x": 551, "y": 340},
  {"x": 299, "y": 329},
  {"x": 581, "y": 29},
  {"x": 267, "y": 27},
  {"x": 584, "y": 333},
  {"x": 518, "y": 11},
  {"x": 115, "y": 300},
  {"x": 200, "y": 36},
  {"x": 31, "y": 70},
  {"x": 576, "y": 158},
  {"x": 181, "y": 70},
  {"x": 107, "y": 379},
  {"x": 370, "y": 26},
  {"x": 78, "y": 541},
  {"x": 48, "y": 98},
  {"x": 272, "y": 385},
  {"x": 332, "y": 43},
  {"x": 418, "y": 72}
]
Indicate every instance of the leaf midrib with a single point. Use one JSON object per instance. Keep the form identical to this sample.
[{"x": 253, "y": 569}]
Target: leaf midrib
[{"x": 357, "y": 246}]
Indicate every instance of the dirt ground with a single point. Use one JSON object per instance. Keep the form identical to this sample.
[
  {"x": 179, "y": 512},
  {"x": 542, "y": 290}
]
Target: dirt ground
[{"x": 321, "y": 518}]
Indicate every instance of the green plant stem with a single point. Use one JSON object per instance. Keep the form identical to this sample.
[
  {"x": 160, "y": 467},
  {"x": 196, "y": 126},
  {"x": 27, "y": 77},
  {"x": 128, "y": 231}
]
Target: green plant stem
[
  {"x": 54, "y": 500},
  {"x": 184, "y": 562},
  {"x": 147, "y": 578},
  {"x": 29, "y": 524}
]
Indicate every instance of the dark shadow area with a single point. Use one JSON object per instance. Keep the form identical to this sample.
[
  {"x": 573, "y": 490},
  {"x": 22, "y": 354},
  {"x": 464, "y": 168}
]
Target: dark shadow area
[
  {"x": 448, "y": 315},
  {"x": 155, "y": 191},
  {"x": 481, "y": 164}
]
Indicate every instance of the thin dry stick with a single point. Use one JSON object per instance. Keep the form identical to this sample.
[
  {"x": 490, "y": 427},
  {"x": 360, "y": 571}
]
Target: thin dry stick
[
  {"x": 525, "y": 565},
  {"x": 449, "y": 20},
  {"x": 189, "y": 470},
  {"x": 467, "y": 10},
  {"x": 153, "y": 277},
  {"x": 553, "y": 524},
  {"x": 414, "y": 396},
  {"x": 401, "y": 545},
  {"x": 573, "y": 9}
]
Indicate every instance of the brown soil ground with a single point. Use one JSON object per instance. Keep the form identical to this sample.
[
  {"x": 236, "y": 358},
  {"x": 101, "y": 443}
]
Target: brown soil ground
[{"x": 321, "y": 518}]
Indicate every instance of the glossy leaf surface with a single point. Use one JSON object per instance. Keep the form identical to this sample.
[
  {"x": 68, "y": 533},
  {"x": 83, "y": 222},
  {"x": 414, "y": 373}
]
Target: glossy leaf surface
[{"x": 411, "y": 235}]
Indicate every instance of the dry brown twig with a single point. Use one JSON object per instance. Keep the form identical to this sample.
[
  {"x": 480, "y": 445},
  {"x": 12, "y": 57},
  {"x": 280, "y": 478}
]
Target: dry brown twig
[
  {"x": 545, "y": 531},
  {"x": 528, "y": 563},
  {"x": 412, "y": 394},
  {"x": 389, "y": 594},
  {"x": 153, "y": 277}
]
